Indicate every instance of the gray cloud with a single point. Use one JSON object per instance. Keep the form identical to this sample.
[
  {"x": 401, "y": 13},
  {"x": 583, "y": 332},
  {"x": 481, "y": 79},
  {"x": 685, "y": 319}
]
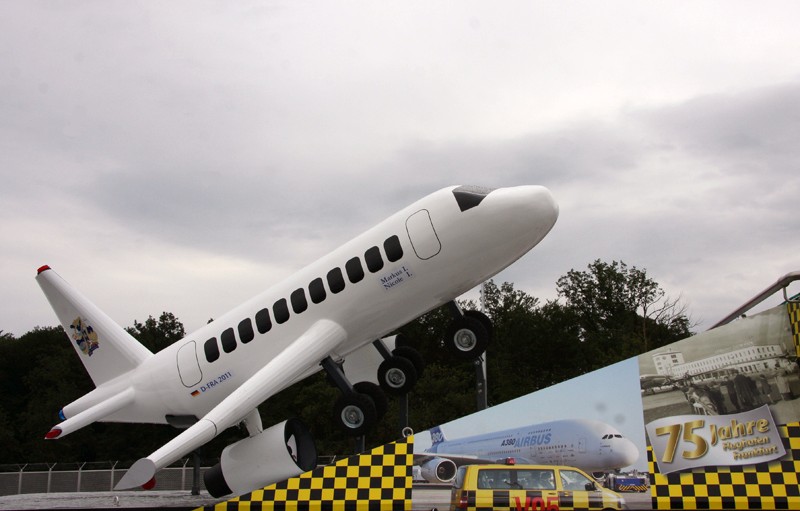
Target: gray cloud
[{"x": 260, "y": 136}]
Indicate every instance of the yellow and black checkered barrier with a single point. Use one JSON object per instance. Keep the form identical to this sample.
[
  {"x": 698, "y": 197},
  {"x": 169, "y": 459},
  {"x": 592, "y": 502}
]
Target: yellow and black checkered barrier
[
  {"x": 770, "y": 485},
  {"x": 514, "y": 500},
  {"x": 793, "y": 308},
  {"x": 377, "y": 480}
]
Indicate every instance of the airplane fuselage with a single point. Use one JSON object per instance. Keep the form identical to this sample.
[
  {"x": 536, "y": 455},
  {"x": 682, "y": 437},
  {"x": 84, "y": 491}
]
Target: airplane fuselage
[
  {"x": 418, "y": 259},
  {"x": 586, "y": 444}
]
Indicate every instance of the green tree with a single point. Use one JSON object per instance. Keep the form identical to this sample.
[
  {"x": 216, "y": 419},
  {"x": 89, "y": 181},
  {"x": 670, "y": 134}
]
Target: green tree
[
  {"x": 156, "y": 335},
  {"x": 621, "y": 311}
]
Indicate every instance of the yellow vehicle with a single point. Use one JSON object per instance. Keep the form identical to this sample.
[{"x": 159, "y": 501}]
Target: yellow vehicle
[{"x": 529, "y": 488}]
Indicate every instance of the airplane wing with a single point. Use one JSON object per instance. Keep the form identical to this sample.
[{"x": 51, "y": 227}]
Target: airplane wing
[
  {"x": 458, "y": 459},
  {"x": 307, "y": 351}
]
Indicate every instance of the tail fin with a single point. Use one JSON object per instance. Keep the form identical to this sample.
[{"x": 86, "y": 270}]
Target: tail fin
[
  {"x": 103, "y": 346},
  {"x": 437, "y": 436}
]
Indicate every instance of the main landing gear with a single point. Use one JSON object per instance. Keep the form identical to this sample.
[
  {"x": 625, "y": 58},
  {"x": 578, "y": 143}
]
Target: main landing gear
[{"x": 360, "y": 406}]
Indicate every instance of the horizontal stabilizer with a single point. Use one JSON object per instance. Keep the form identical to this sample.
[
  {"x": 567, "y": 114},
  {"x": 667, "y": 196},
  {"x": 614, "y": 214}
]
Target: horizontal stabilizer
[
  {"x": 90, "y": 415},
  {"x": 322, "y": 338},
  {"x": 105, "y": 348}
]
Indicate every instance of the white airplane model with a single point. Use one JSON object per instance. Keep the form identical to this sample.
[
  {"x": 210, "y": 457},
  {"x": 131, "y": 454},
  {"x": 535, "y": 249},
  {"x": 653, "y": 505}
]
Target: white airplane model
[
  {"x": 590, "y": 445},
  {"x": 418, "y": 259}
]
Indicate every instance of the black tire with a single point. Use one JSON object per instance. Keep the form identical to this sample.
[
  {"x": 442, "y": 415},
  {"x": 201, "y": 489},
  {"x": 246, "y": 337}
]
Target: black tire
[
  {"x": 397, "y": 376},
  {"x": 401, "y": 340},
  {"x": 485, "y": 321},
  {"x": 377, "y": 395},
  {"x": 466, "y": 338},
  {"x": 414, "y": 356},
  {"x": 355, "y": 413}
]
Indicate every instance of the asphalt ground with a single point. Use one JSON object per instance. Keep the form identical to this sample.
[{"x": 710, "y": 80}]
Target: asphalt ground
[{"x": 423, "y": 499}]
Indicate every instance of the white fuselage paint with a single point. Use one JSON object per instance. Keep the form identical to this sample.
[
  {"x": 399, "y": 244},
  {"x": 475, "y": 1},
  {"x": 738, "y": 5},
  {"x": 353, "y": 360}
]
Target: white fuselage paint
[{"x": 446, "y": 252}]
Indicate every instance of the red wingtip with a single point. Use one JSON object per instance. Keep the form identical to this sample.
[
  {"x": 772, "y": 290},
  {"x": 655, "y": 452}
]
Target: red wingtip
[
  {"x": 43, "y": 268},
  {"x": 149, "y": 485},
  {"x": 53, "y": 433}
]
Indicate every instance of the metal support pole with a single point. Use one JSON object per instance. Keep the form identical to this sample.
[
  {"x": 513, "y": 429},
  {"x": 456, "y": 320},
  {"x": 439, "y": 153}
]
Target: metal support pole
[
  {"x": 403, "y": 411},
  {"x": 196, "y": 472},
  {"x": 49, "y": 476},
  {"x": 80, "y": 473},
  {"x": 19, "y": 484},
  {"x": 334, "y": 370},
  {"x": 111, "y": 488},
  {"x": 382, "y": 349},
  {"x": 480, "y": 383},
  {"x": 360, "y": 444}
]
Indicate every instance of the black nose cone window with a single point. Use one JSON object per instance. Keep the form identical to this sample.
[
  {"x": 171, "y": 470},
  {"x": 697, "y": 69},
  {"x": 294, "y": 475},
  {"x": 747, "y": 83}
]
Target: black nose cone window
[{"x": 469, "y": 196}]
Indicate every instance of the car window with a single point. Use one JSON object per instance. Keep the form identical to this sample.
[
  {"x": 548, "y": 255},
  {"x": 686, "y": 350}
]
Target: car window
[
  {"x": 538, "y": 479},
  {"x": 459, "y": 482},
  {"x": 494, "y": 479},
  {"x": 573, "y": 481}
]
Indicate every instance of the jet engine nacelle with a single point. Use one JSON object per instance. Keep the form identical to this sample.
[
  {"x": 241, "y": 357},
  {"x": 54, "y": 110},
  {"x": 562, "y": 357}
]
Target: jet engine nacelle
[
  {"x": 285, "y": 450},
  {"x": 438, "y": 470}
]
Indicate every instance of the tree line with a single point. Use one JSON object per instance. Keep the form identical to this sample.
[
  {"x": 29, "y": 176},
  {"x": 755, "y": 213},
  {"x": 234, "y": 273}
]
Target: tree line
[{"x": 604, "y": 314}]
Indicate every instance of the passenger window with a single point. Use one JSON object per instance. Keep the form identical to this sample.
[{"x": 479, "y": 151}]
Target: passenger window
[
  {"x": 335, "y": 280},
  {"x": 246, "y": 333},
  {"x": 263, "y": 323},
  {"x": 299, "y": 302},
  {"x": 212, "y": 349},
  {"x": 281, "y": 311},
  {"x": 228, "y": 340},
  {"x": 393, "y": 249},
  {"x": 355, "y": 272},
  {"x": 316, "y": 290},
  {"x": 373, "y": 259}
]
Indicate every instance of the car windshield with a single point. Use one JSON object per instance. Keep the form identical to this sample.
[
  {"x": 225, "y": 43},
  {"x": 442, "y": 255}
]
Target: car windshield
[{"x": 572, "y": 480}]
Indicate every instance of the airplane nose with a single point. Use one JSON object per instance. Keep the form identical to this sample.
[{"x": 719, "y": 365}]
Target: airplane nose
[
  {"x": 628, "y": 453},
  {"x": 547, "y": 206},
  {"x": 539, "y": 205}
]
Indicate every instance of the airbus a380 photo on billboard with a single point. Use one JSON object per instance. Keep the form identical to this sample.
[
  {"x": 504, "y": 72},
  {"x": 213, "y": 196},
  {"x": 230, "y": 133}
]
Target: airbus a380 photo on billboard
[
  {"x": 590, "y": 445},
  {"x": 420, "y": 258}
]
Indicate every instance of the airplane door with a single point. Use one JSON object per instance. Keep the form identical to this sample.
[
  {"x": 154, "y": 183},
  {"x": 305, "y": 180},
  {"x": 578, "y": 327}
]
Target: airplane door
[
  {"x": 581, "y": 445},
  {"x": 422, "y": 235},
  {"x": 188, "y": 365}
]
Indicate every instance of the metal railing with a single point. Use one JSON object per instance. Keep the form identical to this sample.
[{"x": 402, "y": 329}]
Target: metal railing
[
  {"x": 83, "y": 477},
  {"x": 780, "y": 284},
  {"x": 94, "y": 476}
]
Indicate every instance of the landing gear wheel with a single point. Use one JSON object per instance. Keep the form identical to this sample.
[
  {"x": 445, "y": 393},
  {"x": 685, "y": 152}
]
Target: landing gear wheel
[
  {"x": 414, "y": 356},
  {"x": 466, "y": 338},
  {"x": 355, "y": 413},
  {"x": 397, "y": 376},
  {"x": 377, "y": 395},
  {"x": 484, "y": 319}
]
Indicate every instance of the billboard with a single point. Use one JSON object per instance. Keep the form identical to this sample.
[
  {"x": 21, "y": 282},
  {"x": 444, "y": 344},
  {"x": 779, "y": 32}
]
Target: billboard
[{"x": 715, "y": 421}]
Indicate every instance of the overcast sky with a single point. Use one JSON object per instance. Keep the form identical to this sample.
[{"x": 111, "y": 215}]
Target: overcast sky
[{"x": 182, "y": 156}]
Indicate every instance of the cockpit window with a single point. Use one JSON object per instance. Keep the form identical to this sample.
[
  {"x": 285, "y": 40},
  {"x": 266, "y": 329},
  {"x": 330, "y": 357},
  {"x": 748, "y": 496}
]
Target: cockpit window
[{"x": 469, "y": 196}]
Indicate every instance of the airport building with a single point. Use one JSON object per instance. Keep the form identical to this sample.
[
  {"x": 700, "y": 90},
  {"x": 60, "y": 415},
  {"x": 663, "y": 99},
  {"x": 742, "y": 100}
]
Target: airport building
[
  {"x": 752, "y": 359},
  {"x": 666, "y": 361}
]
